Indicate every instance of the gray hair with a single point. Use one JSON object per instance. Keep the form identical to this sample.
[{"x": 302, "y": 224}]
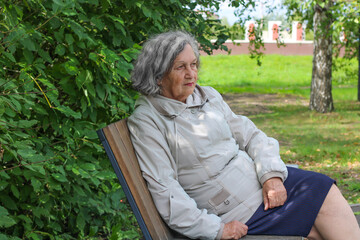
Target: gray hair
[{"x": 157, "y": 58}]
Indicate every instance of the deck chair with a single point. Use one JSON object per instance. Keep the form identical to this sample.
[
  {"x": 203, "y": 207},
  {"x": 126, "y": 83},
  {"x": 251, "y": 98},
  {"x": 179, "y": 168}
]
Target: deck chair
[{"x": 116, "y": 141}]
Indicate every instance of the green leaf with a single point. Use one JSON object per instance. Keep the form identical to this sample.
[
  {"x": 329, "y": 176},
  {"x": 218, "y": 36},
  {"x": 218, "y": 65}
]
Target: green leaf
[
  {"x": 26, "y": 151},
  {"x": 83, "y": 77},
  {"x": 4, "y": 237},
  {"x": 74, "y": 170},
  {"x": 59, "y": 35},
  {"x": 6, "y": 221},
  {"x": 56, "y": 6},
  {"x": 100, "y": 90},
  {"x": 29, "y": 56},
  {"x": 93, "y": 230},
  {"x": 15, "y": 103},
  {"x": 55, "y": 226},
  {"x": 88, "y": 166},
  {"x": 81, "y": 44},
  {"x": 71, "y": 68},
  {"x": 90, "y": 88},
  {"x": 67, "y": 86},
  {"x": 45, "y": 55},
  {"x": 21, "y": 134},
  {"x": 78, "y": 30},
  {"x": 69, "y": 39},
  {"x": 59, "y": 177},
  {"x": 11, "y": 113},
  {"x": 105, "y": 175},
  {"x": 146, "y": 11},
  {"x": 80, "y": 222},
  {"x": 28, "y": 174},
  {"x": 54, "y": 185},
  {"x": 36, "y": 184},
  {"x": 29, "y": 154},
  {"x": 8, "y": 203},
  {"x": 40, "y": 110},
  {"x": 60, "y": 50},
  {"x": 3, "y": 211},
  {"x": 2, "y": 107},
  {"x": 79, "y": 191},
  {"x": 9, "y": 56},
  {"x": 3, "y": 185},
  {"x": 95, "y": 181},
  {"x": 33, "y": 170},
  {"x": 15, "y": 191},
  {"x": 69, "y": 12},
  {"x": 94, "y": 2},
  {"x": 28, "y": 44},
  {"x": 34, "y": 235},
  {"x": 321, "y": 4},
  {"x": 25, "y": 219},
  {"x": 4, "y": 174},
  {"x": 27, "y": 123},
  {"x": 83, "y": 104},
  {"x": 98, "y": 23},
  {"x": 40, "y": 211},
  {"x": 127, "y": 57},
  {"x": 93, "y": 56},
  {"x": 69, "y": 112}
]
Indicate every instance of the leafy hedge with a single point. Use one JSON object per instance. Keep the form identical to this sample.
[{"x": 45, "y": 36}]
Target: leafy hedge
[{"x": 64, "y": 74}]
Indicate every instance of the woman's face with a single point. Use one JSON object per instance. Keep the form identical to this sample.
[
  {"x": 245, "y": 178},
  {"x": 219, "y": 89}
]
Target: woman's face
[{"x": 180, "y": 82}]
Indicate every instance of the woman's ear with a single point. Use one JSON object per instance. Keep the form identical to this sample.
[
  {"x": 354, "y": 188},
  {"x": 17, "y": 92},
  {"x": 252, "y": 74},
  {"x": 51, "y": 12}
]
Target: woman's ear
[{"x": 160, "y": 81}]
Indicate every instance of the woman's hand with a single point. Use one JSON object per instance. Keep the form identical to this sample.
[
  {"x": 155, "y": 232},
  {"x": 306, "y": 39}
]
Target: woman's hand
[
  {"x": 274, "y": 193},
  {"x": 234, "y": 230}
]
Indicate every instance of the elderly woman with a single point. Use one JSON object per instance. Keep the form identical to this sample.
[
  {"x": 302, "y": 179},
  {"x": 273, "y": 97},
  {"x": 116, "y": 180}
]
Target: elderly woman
[{"x": 212, "y": 174}]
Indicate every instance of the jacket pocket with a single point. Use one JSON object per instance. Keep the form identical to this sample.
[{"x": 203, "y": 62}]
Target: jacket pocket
[{"x": 223, "y": 202}]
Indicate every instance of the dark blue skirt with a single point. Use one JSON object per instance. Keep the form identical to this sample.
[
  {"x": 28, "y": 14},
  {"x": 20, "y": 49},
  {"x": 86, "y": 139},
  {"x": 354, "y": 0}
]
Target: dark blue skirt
[{"x": 306, "y": 192}]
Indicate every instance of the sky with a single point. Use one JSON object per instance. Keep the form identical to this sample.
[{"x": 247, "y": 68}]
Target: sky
[{"x": 228, "y": 12}]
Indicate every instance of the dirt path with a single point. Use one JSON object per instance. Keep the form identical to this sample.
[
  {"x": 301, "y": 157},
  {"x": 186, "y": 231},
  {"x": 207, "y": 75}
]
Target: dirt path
[{"x": 251, "y": 104}]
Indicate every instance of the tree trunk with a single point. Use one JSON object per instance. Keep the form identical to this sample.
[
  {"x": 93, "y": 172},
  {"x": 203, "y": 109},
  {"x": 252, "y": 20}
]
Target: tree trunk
[
  {"x": 359, "y": 67},
  {"x": 321, "y": 98}
]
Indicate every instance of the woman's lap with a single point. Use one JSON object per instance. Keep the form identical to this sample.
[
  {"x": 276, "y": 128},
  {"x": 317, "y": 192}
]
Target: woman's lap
[{"x": 306, "y": 192}]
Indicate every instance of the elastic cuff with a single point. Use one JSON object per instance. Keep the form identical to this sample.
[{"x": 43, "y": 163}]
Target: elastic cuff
[
  {"x": 269, "y": 175},
  {"x": 220, "y": 232}
]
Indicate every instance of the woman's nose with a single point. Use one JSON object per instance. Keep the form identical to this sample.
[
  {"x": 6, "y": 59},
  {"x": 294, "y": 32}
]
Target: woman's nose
[{"x": 190, "y": 73}]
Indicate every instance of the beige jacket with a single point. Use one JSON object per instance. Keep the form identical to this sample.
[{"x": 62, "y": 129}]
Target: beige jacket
[{"x": 204, "y": 165}]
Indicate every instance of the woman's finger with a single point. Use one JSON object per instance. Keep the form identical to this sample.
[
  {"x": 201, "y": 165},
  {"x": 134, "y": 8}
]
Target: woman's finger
[
  {"x": 234, "y": 230},
  {"x": 274, "y": 193}
]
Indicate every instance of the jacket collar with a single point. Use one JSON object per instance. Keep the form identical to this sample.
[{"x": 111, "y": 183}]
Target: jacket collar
[{"x": 172, "y": 108}]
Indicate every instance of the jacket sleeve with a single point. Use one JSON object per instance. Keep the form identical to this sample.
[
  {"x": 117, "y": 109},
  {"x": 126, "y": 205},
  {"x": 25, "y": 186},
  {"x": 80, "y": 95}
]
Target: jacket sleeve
[
  {"x": 262, "y": 149},
  {"x": 158, "y": 167}
]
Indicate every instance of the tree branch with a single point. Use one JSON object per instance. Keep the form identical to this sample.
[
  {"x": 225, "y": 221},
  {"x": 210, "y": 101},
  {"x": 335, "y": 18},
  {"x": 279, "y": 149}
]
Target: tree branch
[
  {"x": 6, "y": 94},
  {"x": 21, "y": 165}
]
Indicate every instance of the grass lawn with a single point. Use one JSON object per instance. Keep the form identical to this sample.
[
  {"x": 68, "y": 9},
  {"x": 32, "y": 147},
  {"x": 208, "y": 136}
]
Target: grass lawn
[
  {"x": 277, "y": 74},
  {"x": 327, "y": 143}
]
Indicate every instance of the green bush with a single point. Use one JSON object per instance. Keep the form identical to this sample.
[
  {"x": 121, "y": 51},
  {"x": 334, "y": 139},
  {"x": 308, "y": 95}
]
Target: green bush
[
  {"x": 345, "y": 71},
  {"x": 309, "y": 35},
  {"x": 64, "y": 74}
]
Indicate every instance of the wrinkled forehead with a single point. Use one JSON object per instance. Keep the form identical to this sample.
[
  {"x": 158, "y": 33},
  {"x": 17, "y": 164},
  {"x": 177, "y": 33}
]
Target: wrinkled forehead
[{"x": 186, "y": 55}]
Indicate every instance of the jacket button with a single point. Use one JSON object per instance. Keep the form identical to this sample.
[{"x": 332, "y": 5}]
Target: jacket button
[{"x": 227, "y": 202}]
